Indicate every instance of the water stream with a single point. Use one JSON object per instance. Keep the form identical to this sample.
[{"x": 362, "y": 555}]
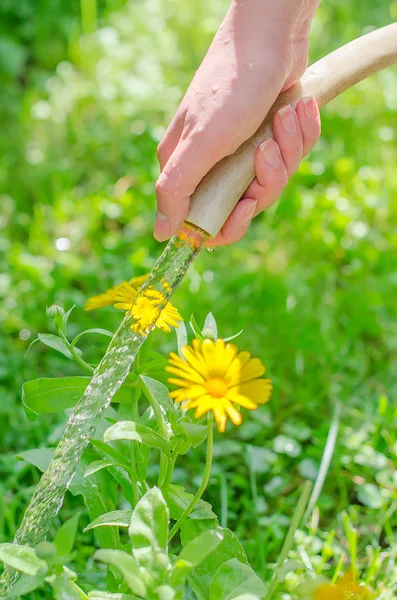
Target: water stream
[{"x": 107, "y": 379}]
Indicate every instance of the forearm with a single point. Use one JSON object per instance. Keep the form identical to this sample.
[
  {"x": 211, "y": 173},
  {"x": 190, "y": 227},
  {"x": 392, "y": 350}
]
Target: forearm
[{"x": 293, "y": 17}]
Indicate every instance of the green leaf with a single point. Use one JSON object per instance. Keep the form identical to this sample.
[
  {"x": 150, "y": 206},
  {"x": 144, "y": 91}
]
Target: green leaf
[
  {"x": 160, "y": 392},
  {"x": 55, "y": 342},
  {"x": 26, "y": 584},
  {"x": 201, "y": 578},
  {"x": 128, "y": 567},
  {"x": 48, "y": 395},
  {"x": 149, "y": 526},
  {"x": 234, "y": 579},
  {"x": 66, "y": 318},
  {"x": 98, "y": 595},
  {"x": 195, "y": 433},
  {"x": 194, "y": 553},
  {"x": 128, "y": 430},
  {"x": 97, "y": 465},
  {"x": 65, "y": 536},
  {"x": 233, "y": 337},
  {"x": 178, "y": 500},
  {"x": 181, "y": 337},
  {"x": 22, "y": 558},
  {"x": 165, "y": 592},
  {"x": 116, "y": 518},
  {"x": 195, "y": 328},
  {"x": 200, "y": 547},
  {"x": 64, "y": 589},
  {"x": 96, "y": 330},
  {"x": 38, "y": 457}
]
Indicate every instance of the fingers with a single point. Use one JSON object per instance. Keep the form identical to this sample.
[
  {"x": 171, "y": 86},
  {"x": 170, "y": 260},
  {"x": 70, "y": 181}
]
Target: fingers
[
  {"x": 275, "y": 161},
  {"x": 295, "y": 132},
  {"x": 237, "y": 224},
  {"x": 310, "y": 123},
  {"x": 288, "y": 135}
]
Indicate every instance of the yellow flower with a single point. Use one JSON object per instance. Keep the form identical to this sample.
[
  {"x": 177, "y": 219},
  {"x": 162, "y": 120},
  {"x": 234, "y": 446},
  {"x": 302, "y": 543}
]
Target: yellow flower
[
  {"x": 144, "y": 310},
  {"x": 216, "y": 376},
  {"x": 107, "y": 298},
  {"x": 146, "y": 307},
  {"x": 344, "y": 589}
]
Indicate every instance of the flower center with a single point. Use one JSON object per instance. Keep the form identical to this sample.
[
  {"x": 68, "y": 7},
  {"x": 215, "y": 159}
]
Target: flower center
[{"x": 216, "y": 387}]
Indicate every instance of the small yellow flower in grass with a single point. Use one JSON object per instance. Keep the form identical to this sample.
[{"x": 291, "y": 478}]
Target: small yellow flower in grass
[
  {"x": 107, "y": 298},
  {"x": 145, "y": 309},
  {"x": 216, "y": 376},
  {"x": 344, "y": 589}
]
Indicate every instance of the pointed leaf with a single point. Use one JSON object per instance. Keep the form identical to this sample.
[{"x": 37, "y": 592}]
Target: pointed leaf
[
  {"x": 201, "y": 578},
  {"x": 65, "y": 536},
  {"x": 200, "y": 547},
  {"x": 63, "y": 589},
  {"x": 195, "y": 328},
  {"x": 178, "y": 500},
  {"x": 48, "y": 395},
  {"x": 127, "y": 565},
  {"x": 96, "y": 330},
  {"x": 160, "y": 392},
  {"x": 181, "y": 337},
  {"x": 26, "y": 584},
  {"x": 194, "y": 553},
  {"x": 21, "y": 558},
  {"x": 128, "y": 430},
  {"x": 149, "y": 525},
  {"x": 97, "y": 465},
  {"x": 116, "y": 518},
  {"x": 55, "y": 342},
  {"x": 234, "y": 579}
]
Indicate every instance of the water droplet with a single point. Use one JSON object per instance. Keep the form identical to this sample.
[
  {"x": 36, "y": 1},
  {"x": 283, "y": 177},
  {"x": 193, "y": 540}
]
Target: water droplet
[
  {"x": 214, "y": 90},
  {"x": 227, "y": 41},
  {"x": 210, "y": 249},
  {"x": 250, "y": 66}
]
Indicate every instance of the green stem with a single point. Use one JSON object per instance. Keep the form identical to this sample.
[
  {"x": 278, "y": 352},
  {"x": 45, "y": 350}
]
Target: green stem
[
  {"x": 171, "y": 466},
  {"x": 135, "y": 416},
  {"x": 75, "y": 355},
  {"x": 204, "y": 483},
  {"x": 162, "y": 428},
  {"x": 80, "y": 592},
  {"x": 296, "y": 519}
]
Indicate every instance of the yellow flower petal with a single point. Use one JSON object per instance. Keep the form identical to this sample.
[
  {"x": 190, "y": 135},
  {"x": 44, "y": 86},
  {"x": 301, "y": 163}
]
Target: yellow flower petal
[
  {"x": 258, "y": 390},
  {"x": 214, "y": 376}
]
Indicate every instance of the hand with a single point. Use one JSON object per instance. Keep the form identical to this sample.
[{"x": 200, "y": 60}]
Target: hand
[
  {"x": 260, "y": 50},
  {"x": 295, "y": 131}
]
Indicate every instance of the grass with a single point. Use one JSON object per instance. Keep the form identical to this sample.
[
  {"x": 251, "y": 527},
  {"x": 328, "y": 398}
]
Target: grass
[{"x": 312, "y": 284}]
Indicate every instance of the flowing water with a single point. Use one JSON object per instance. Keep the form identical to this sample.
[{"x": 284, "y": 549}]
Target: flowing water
[{"x": 107, "y": 379}]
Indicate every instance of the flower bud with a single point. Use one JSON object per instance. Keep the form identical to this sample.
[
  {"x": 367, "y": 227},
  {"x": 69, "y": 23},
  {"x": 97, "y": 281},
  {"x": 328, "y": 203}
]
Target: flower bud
[
  {"x": 56, "y": 313},
  {"x": 209, "y": 334}
]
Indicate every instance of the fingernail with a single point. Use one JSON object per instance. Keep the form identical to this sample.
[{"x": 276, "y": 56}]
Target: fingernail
[
  {"x": 288, "y": 119},
  {"x": 161, "y": 227},
  {"x": 309, "y": 107},
  {"x": 271, "y": 153},
  {"x": 249, "y": 213}
]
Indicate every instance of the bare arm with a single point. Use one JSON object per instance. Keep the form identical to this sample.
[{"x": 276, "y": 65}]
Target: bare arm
[{"x": 260, "y": 49}]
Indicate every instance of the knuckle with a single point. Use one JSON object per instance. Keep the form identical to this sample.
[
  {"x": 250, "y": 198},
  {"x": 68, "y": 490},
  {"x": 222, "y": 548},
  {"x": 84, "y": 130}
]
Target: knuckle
[{"x": 163, "y": 186}]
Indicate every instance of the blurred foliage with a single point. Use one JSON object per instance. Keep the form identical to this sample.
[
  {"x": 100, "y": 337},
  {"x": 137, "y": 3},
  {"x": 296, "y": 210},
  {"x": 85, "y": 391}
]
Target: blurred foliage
[{"x": 87, "y": 91}]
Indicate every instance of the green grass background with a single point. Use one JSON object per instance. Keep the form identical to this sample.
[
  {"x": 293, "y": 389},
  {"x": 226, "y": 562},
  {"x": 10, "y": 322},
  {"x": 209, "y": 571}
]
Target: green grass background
[{"x": 87, "y": 91}]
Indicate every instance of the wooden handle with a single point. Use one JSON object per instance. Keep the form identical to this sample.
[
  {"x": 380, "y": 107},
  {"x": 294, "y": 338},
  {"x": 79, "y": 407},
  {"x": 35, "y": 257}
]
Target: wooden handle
[{"x": 221, "y": 189}]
